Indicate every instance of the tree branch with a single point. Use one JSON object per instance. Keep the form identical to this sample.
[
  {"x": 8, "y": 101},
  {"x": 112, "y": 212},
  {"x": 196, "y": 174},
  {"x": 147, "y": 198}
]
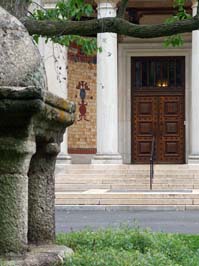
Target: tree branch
[
  {"x": 117, "y": 25},
  {"x": 197, "y": 7},
  {"x": 122, "y": 9},
  {"x": 17, "y": 8}
]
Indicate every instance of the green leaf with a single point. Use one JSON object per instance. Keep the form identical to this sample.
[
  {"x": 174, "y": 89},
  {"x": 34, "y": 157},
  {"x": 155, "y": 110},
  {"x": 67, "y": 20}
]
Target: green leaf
[
  {"x": 176, "y": 40},
  {"x": 69, "y": 10},
  {"x": 36, "y": 38}
]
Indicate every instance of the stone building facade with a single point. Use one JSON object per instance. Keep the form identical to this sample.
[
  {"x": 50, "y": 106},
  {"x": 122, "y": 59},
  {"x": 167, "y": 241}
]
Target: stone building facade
[{"x": 122, "y": 103}]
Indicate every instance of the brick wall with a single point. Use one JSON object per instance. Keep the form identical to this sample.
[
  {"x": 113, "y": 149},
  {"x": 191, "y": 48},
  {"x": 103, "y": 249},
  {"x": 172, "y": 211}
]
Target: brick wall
[{"x": 82, "y": 90}]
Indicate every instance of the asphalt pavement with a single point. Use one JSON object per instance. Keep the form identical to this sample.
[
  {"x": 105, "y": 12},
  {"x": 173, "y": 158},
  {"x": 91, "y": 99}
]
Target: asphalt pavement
[{"x": 165, "y": 221}]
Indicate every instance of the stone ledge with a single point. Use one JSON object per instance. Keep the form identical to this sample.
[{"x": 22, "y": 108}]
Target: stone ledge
[
  {"x": 28, "y": 101},
  {"x": 107, "y": 159},
  {"x": 35, "y": 93},
  {"x": 43, "y": 255}
]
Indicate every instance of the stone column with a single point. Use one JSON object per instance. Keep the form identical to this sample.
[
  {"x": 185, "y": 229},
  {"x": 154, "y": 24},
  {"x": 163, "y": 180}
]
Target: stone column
[
  {"x": 41, "y": 212},
  {"x": 16, "y": 148},
  {"x": 194, "y": 157},
  {"x": 55, "y": 60},
  {"x": 107, "y": 91},
  {"x": 49, "y": 126}
]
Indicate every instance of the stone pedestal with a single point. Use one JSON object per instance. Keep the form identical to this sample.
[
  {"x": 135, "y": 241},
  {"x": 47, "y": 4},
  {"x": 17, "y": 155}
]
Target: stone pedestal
[
  {"x": 63, "y": 157},
  {"x": 194, "y": 156},
  {"x": 29, "y": 125},
  {"x": 32, "y": 121},
  {"x": 107, "y": 91},
  {"x": 50, "y": 125},
  {"x": 22, "y": 84},
  {"x": 45, "y": 255}
]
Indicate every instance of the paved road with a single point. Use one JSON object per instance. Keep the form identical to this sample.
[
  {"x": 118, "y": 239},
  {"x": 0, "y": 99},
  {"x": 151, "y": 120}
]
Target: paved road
[{"x": 166, "y": 221}]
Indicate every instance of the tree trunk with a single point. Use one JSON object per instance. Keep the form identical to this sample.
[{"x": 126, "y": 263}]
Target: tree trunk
[{"x": 18, "y": 8}]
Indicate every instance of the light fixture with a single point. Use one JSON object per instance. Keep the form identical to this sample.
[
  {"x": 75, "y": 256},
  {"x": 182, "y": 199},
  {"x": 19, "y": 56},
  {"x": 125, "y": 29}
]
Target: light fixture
[{"x": 162, "y": 83}]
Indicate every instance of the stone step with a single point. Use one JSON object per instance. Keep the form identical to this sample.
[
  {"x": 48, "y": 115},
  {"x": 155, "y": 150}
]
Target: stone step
[
  {"x": 173, "y": 186},
  {"x": 80, "y": 187},
  {"x": 137, "y": 183},
  {"x": 104, "y": 194},
  {"x": 90, "y": 183},
  {"x": 75, "y": 183},
  {"x": 101, "y": 176},
  {"x": 135, "y": 198},
  {"x": 83, "y": 187},
  {"x": 125, "y": 185},
  {"x": 140, "y": 167},
  {"x": 96, "y": 180},
  {"x": 126, "y": 172},
  {"x": 124, "y": 177}
]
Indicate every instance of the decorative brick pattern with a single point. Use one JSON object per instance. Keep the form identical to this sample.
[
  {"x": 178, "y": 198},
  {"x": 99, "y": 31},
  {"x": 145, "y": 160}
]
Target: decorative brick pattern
[
  {"x": 82, "y": 151},
  {"x": 81, "y": 69},
  {"x": 83, "y": 88}
]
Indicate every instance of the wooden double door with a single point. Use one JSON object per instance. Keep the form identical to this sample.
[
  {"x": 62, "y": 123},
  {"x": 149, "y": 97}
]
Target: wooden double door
[{"x": 158, "y": 112}]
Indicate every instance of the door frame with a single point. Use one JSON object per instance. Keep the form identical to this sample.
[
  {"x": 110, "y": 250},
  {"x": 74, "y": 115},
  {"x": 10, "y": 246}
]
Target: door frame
[
  {"x": 156, "y": 93},
  {"x": 139, "y": 48}
]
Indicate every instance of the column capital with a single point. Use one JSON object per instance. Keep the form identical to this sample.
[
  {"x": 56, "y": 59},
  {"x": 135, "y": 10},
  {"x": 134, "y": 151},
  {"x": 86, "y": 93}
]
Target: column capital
[
  {"x": 107, "y": 1},
  {"x": 194, "y": 7},
  {"x": 194, "y": 4},
  {"x": 106, "y": 8}
]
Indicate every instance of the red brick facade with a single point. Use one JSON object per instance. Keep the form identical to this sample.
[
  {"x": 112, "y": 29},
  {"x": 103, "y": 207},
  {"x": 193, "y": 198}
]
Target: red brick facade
[{"x": 82, "y": 90}]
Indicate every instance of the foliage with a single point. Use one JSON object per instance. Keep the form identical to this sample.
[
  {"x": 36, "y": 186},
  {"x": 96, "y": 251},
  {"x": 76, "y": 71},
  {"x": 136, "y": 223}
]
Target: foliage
[
  {"x": 76, "y": 9},
  {"x": 66, "y": 10},
  {"x": 69, "y": 10},
  {"x": 130, "y": 247},
  {"x": 177, "y": 40}
]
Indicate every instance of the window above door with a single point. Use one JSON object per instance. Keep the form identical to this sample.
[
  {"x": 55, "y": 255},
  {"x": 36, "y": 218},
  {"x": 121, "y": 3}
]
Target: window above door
[{"x": 158, "y": 73}]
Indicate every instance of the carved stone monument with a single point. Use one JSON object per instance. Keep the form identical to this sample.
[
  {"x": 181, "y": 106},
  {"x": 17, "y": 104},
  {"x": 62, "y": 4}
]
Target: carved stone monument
[{"x": 32, "y": 124}]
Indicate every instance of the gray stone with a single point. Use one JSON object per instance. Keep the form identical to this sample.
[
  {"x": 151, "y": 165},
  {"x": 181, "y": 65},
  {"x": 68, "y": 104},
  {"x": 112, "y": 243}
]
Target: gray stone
[
  {"x": 21, "y": 63},
  {"x": 41, "y": 217},
  {"x": 46, "y": 255},
  {"x": 16, "y": 148},
  {"x": 20, "y": 72},
  {"x": 28, "y": 125},
  {"x": 32, "y": 124},
  {"x": 54, "y": 119}
]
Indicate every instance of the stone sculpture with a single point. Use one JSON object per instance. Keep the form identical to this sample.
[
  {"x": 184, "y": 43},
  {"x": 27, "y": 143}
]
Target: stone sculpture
[{"x": 32, "y": 124}]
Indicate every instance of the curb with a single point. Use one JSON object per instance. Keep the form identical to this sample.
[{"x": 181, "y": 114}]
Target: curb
[{"x": 126, "y": 208}]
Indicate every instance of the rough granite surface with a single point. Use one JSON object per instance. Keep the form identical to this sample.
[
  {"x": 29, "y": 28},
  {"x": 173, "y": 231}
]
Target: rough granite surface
[
  {"x": 32, "y": 124},
  {"x": 20, "y": 61},
  {"x": 44, "y": 255}
]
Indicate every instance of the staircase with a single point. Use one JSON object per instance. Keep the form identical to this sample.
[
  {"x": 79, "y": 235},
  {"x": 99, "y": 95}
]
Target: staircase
[{"x": 127, "y": 185}]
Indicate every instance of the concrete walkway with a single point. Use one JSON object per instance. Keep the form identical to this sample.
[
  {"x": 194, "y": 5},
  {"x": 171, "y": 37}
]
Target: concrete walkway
[{"x": 166, "y": 221}]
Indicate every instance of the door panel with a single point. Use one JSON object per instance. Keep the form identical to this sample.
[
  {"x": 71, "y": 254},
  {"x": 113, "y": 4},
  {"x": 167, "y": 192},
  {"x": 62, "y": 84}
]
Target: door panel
[
  {"x": 145, "y": 120},
  {"x": 162, "y": 117},
  {"x": 171, "y": 121}
]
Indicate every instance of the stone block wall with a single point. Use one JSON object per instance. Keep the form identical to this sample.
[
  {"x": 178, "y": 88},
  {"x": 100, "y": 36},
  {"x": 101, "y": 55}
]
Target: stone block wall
[{"x": 82, "y": 90}]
